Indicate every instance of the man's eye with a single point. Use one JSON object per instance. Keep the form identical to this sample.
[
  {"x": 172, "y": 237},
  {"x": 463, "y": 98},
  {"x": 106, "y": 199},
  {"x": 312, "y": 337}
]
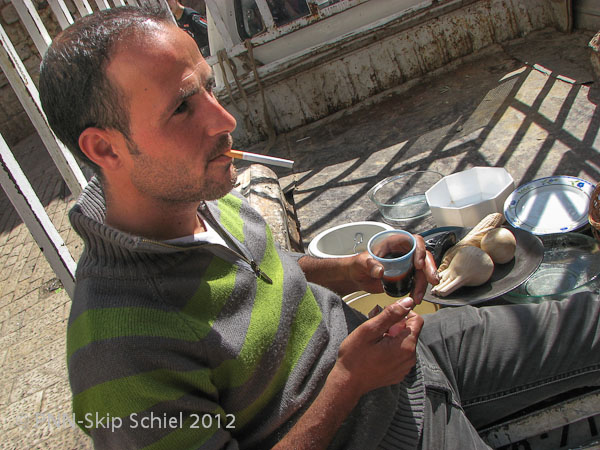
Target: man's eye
[{"x": 183, "y": 107}]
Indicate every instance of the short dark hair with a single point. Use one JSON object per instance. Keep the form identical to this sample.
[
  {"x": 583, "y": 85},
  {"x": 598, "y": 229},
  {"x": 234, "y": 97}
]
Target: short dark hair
[{"x": 75, "y": 91}]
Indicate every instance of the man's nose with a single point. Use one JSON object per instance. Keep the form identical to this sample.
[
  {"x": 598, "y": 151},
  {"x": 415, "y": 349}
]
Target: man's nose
[{"x": 219, "y": 119}]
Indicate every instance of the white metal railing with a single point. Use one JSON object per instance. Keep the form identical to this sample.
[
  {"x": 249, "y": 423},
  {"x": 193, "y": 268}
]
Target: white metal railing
[
  {"x": 13, "y": 180},
  {"x": 28, "y": 206},
  {"x": 34, "y": 25},
  {"x": 27, "y": 93}
]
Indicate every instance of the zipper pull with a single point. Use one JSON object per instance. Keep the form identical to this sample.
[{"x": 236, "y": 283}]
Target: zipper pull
[{"x": 259, "y": 273}]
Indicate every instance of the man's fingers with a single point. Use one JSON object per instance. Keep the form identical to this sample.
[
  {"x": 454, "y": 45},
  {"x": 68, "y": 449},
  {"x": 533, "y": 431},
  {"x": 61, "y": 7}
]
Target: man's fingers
[
  {"x": 414, "y": 322},
  {"x": 389, "y": 316},
  {"x": 430, "y": 269},
  {"x": 399, "y": 329},
  {"x": 420, "y": 252},
  {"x": 419, "y": 286},
  {"x": 375, "y": 268}
]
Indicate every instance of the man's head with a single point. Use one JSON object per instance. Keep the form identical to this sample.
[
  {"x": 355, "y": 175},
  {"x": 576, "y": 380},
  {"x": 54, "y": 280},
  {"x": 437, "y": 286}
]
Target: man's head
[
  {"x": 74, "y": 89},
  {"x": 176, "y": 7},
  {"x": 129, "y": 91}
]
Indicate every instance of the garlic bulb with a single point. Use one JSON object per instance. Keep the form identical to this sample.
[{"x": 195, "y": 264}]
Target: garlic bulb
[
  {"x": 500, "y": 244},
  {"x": 470, "y": 266},
  {"x": 473, "y": 237}
]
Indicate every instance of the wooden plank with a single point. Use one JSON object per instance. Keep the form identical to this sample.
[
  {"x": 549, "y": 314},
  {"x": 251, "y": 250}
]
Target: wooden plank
[
  {"x": 23, "y": 197},
  {"x": 25, "y": 89}
]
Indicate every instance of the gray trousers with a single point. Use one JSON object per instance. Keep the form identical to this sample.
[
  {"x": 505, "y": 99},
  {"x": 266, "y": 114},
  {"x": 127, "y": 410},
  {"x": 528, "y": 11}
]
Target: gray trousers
[{"x": 483, "y": 364}]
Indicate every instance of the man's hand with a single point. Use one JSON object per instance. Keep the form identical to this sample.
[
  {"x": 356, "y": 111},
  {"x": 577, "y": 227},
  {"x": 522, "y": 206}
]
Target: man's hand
[
  {"x": 363, "y": 273},
  {"x": 366, "y": 272},
  {"x": 380, "y": 352}
]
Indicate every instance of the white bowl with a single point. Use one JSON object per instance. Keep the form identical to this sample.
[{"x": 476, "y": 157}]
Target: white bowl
[
  {"x": 464, "y": 198},
  {"x": 345, "y": 240}
]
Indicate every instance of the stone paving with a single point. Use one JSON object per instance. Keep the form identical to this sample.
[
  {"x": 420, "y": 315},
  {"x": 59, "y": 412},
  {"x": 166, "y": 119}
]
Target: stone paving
[
  {"x": 529, "y": 106},
  {"x": 35, "y": 400},
  {"x": 541, "y": 126}
]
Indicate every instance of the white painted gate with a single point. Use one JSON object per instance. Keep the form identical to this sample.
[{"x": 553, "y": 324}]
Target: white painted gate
[{"x": 13, "y": 180}]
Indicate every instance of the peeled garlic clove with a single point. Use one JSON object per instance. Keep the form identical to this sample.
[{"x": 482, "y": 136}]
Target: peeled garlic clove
[
  {"x": 471, "y": 266},
  {"x": 500, "y": 244}
]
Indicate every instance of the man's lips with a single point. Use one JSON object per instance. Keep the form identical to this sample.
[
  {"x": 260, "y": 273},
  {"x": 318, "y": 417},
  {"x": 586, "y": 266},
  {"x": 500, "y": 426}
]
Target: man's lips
[
  {"x": 222, "y": 147},
  {"x": 220, "y": 154},
  {"x": 221, "y": 158}
]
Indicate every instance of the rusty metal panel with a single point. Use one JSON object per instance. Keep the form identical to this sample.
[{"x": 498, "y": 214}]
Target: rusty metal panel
[
  {"x": 407, "y": 57},
  {"x": 313, "y": 102},
  {"x": 502, "y": 13},
  {"x": 455, "y": 36},
  {"x": 479, "y": 22},
  {"x": 532, "y": 15},
  {"x": 524, "y": 430}
]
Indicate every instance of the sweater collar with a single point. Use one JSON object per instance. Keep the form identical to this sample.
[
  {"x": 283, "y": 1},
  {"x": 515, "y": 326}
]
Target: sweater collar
[{"x": 88, "y": 219}]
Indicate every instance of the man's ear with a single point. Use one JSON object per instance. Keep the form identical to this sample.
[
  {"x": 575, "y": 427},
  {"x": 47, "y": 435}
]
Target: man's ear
[{"x": 102, "y": 146}]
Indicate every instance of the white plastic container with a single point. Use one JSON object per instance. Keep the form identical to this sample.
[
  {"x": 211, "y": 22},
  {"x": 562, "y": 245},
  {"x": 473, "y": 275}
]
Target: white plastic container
[
  {"x": 345, "y": 240},
  {"x": 464, "y": 198}
]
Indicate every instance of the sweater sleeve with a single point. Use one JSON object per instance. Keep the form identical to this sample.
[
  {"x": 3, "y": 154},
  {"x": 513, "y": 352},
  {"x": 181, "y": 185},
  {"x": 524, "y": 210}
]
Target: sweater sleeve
[{"x": 138, "y": 381}]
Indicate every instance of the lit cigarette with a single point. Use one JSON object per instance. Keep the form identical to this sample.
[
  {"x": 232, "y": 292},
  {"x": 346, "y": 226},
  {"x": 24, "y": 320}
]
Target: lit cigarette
[{"x": 255, "y": 157}]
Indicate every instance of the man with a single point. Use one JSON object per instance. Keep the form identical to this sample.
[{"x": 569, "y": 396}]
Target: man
[
  {"x": 190, "y": 329},
  {"x": 193, "y": 23}
]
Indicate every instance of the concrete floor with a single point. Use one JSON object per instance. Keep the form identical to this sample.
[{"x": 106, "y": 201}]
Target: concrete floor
[{"x": 527, "y": 106}]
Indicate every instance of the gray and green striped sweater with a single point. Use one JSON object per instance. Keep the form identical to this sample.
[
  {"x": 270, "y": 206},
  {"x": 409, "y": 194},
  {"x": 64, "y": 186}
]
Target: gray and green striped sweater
[{"x": 177, "y": 347}]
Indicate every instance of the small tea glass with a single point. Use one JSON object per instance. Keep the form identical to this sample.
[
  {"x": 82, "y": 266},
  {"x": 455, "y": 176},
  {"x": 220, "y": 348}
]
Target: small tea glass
[{"x": 394, "y": 249}]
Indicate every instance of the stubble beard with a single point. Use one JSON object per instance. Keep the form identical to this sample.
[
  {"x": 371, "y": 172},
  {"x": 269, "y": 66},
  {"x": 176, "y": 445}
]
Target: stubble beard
[{"x": 169, "y": 185}]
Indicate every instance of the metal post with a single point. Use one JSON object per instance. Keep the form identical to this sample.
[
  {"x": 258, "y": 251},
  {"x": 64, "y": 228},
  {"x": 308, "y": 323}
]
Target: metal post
[
  {"x": 34, "y": 25},
  {"x": 61, "y": 12},
  {"x": 22, "y": 196}
]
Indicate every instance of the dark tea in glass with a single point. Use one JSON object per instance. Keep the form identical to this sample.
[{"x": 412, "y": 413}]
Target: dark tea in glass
[
  {"x": 394, "y": 249},
  {"x": 397, "y": 284}
]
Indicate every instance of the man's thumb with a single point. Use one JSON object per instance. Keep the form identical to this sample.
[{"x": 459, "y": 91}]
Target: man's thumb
[{"x": 393, "y": 314}]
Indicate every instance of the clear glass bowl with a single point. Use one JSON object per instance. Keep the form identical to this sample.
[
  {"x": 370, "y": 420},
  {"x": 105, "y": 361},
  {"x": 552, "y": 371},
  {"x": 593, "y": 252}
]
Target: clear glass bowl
[
  {"x": 571, "y": 264},
  {"x": 402, "y": 197}
]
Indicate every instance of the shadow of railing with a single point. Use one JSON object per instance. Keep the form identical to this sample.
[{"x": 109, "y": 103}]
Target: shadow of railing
[{"x": 398, "y": 128}]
